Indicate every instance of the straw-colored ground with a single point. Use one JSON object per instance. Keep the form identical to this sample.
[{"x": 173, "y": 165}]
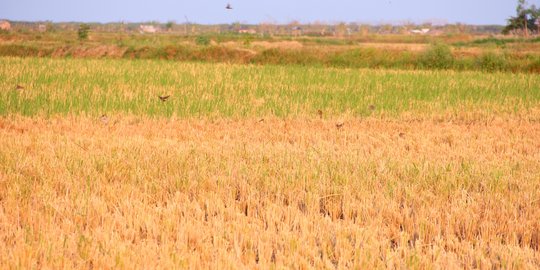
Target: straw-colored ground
[{"x": 132, "y": 192}]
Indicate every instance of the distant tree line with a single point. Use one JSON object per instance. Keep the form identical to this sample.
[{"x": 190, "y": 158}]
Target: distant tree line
[{"x": 304, "y": 29}]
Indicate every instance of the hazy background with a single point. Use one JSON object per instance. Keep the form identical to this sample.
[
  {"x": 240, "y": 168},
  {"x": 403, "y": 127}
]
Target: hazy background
[{"x": 250, "y": 11}]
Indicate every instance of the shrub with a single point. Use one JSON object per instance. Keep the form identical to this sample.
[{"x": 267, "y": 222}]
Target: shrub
[
  {"x": 202, "y": 40},
  {"x": 534, "y": 66},
  {"x": 289, "y": 57},
  {"x": 437, "y": 56},
  {"x": 18, "y": 50},
  {"x": 491, "y": 61},
  {"x": 83, "y": 31},
  {"x": 221, "y": 54}
]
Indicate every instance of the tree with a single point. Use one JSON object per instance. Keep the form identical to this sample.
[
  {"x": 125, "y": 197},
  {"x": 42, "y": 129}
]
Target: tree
[
  {"x": 525, "y": 19},
  {"x": 169, "y": 25},
  {"x": 83, "y": 31}
]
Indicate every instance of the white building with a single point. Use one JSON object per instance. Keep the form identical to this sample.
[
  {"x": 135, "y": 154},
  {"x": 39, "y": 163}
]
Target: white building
[
  {"x": 247, "y": 31},
  {"x": 5, "y": 25},
  {"x": 422, "y": 31},
  {"x": 147, "y": 29}
]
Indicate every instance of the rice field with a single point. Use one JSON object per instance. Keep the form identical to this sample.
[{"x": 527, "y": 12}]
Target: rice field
[
  {"x": 266, "y": 167},
  {"x": 96, "y": 87}
]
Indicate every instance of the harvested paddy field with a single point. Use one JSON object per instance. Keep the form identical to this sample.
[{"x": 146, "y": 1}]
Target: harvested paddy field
[
  {"x": 239, "y": 169},
  {"x": 296, "y": 193}
]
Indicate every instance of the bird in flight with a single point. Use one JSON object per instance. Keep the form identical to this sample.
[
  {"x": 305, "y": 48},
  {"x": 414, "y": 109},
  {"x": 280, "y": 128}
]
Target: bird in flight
[
  {"x": 228, "y": 6},
  {"x": 163, "y": 98}
]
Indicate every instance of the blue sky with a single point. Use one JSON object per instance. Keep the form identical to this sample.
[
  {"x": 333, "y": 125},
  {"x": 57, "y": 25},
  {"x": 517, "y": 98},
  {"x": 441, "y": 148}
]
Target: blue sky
[{"x": 253, "y": 11}]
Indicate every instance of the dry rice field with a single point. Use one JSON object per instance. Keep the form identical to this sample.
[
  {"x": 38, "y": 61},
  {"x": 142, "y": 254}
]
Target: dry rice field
[{"x": 129, "y": 192}]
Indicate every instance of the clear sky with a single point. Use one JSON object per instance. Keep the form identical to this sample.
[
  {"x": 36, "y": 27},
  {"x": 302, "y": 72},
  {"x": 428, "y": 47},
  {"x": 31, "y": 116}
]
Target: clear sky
[{"x": 254, "y": 11}]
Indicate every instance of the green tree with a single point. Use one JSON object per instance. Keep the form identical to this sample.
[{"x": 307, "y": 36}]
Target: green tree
[
  {"x": 524, "y": 20},
  {"x": 169, "y": 25},
  {"x": 83, "y": 31}
]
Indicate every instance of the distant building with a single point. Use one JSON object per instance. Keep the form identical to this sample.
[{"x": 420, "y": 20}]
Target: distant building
[
  {"x": 247, "y": 31},
  {"x": 147, "y": 29},
  {"x": 422, "y": 31},
  {"x": 5, "y": 25}
]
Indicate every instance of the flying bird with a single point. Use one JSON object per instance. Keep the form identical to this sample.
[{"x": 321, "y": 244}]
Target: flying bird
[
  {"x": 164, "y": 98},
  {"x": 228, "y": 6}
]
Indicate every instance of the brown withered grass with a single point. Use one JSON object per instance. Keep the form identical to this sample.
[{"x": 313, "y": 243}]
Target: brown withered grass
[{"x": 261, "y": 193}]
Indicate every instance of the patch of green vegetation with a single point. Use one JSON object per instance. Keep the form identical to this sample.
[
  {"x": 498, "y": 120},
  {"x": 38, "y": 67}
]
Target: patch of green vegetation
[
  {"x": 202, "y": 41},
  {"x": 18, "y": 50},
  {"x": 492, "y": 61},
  {"x": 328, "y": 41},
  {"x": 83, "y": 31},
  {"x": 500, "y": 42},
  {"x": 96, "y": 87},
  {"x": 437, "y": 56}
]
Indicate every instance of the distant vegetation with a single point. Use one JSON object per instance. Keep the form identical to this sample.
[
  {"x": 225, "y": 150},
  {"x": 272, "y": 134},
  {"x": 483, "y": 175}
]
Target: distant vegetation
[
  {"x": 83, "y": 31},
  {"x": 456, "y": 47},
  {"x": 315, "y": 29},
  {"x": 519, "y": 55}
]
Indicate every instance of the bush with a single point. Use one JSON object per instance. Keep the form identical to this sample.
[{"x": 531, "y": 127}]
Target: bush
[
  {"x": 492, "y": 40},
  {"x": 491, "y": 61},
  {"x": 202, "y": 40},
  {"x": 534, "y": 66},
  {"x": 83, "y": 31},
  {"x": 18, "y": 50},
  {"x": 438, "y": 56},
  {"x": 289, "y": 57}
]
